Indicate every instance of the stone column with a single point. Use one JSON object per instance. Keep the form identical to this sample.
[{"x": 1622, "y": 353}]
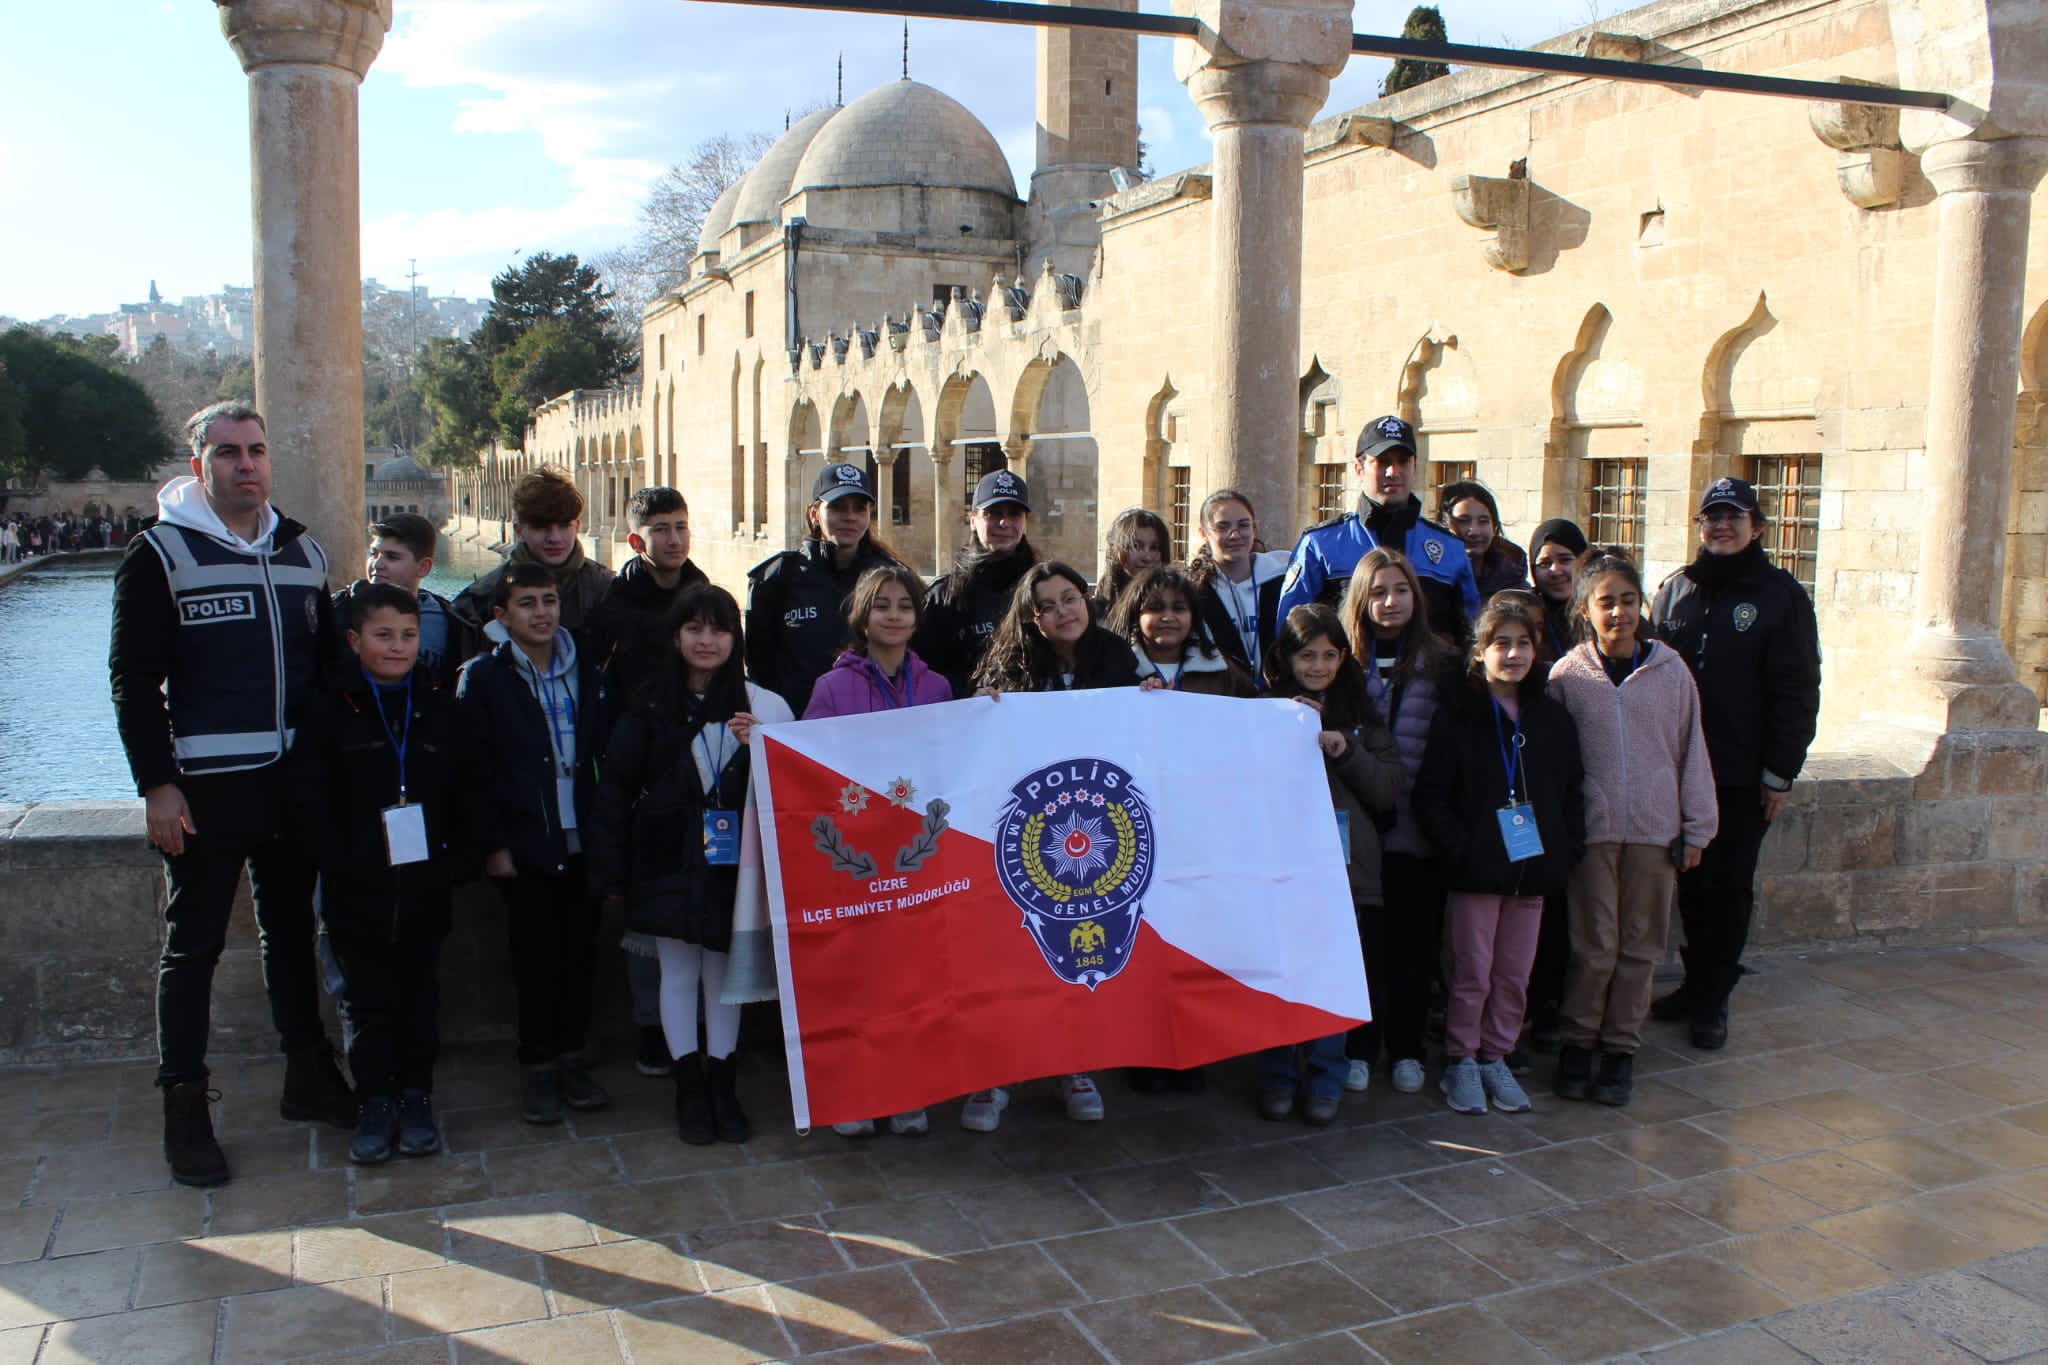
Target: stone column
[
  {"x": 947, "y": 519},
  {"x": 305, "y": 60},
  {"x": 1259, "y": 72},
  {"x": 885, "y": 488},
  {"x": 1985, "y": 203}
]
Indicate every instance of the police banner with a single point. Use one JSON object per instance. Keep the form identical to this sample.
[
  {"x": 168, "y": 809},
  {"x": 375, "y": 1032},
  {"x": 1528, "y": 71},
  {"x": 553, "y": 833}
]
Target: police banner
[{"x": 983, "y": 892}]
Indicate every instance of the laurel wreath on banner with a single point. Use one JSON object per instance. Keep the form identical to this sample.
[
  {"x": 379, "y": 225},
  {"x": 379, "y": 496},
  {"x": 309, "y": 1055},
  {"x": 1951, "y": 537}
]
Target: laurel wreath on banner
[
  {"x": 912, "y": 855},
  {"x": 1119, "y": 868},
  {"x": 1126, "y": 852},
  {"x": 845, "y": 857},
  {"x": 1034, "y": 866}
]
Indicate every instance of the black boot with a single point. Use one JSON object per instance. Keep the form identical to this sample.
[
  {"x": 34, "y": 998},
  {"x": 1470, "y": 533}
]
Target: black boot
[
  {"x": 196, "y": 1159},
  {"x": 540, "y": 1093},
  {"x": 1710, "y": 1026},
  {"x": 314, "y": 1088},
  {"x": 726, "y": 1115},
  {"x": 1669, "y": 1009},
  {"x": 694, "y": 1123},
  {"x": 1617, "y": 1078},
  {"x": 1574, "y": 1073}
]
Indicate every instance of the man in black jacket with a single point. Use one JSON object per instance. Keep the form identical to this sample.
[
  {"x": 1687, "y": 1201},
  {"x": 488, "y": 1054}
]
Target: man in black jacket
[
  {"x": 961, "y": 613},
  {"x": 221, "y": 620},
  {"x": 1748, "y": 631}
]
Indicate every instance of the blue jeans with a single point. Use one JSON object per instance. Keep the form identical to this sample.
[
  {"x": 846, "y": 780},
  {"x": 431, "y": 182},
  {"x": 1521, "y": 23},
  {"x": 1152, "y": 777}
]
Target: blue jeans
[{"x": 1327, "y": 1067}]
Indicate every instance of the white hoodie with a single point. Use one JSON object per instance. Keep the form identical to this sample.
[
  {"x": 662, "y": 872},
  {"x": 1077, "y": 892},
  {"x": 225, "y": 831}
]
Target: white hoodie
[{"x": 183, "y": 502}]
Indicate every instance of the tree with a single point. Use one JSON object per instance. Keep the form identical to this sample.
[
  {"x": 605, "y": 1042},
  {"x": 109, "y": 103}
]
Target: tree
[
  {"x": 13, "y": 438},
  {"x": 76, "y": 411},
  {"x": 1424, "y": 24},
  {"x": 558, "y": 288},
  {"x": 671, "y": 221},
  {"x": 458, "y": 396},
  {"x": 550, "y": 359}
]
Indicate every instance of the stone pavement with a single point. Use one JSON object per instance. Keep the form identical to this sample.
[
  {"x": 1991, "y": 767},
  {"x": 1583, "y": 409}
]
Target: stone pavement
[{"x": 1862, "y": 1176}]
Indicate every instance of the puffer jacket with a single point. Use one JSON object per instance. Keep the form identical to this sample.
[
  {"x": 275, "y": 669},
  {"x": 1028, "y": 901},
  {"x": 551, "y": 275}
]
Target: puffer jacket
[
  {"x": 1204, "y": 672},
  {"x": 851, "y": 689},
  {"x": 1364, "y": 782},
  {"x": 1407, "y": 711},
  {"x": 1648, "y": 777}
]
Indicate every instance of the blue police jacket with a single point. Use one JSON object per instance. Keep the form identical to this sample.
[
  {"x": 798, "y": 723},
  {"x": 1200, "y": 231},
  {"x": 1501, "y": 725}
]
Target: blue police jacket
[{"x": 1329, "y": 551}]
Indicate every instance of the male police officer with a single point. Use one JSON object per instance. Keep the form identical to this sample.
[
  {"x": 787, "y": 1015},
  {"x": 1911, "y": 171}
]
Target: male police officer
[
  {"x": 220, "y": 619},
  {"x": 1388, "y": 514}
]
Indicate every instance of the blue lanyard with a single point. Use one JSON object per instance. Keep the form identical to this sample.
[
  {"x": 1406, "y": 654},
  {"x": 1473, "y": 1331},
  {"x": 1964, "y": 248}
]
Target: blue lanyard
[
  {"x": 398, "y": 740},
  {"x": 547, "y": 689},
  {"x": 1510, "y": 748},
  {"x": 716, "y": 761},
  {"x": 888, "y": 693}
]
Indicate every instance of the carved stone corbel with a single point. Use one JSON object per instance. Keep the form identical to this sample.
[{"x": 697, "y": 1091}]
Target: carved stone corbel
[
  {"x": 1501, "y": 206},
  {"x": 1870, "y": 167}
]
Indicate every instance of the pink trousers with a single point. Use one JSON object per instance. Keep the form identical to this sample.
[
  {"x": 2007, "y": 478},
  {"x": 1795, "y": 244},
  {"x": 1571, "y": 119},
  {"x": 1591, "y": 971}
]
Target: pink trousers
[{"x": 1493, "y": 944}]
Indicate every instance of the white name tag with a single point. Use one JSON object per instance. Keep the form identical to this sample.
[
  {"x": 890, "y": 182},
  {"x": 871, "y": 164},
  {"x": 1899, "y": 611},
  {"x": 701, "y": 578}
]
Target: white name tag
[
  {"x": 565, "y": 800},
  {"x": 405, "y": 834}
]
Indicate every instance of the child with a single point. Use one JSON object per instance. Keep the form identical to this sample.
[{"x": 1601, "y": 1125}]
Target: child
[
  {"x": 1156, "y": 613},
  {"x": 401, "y": 553},
  {"x": 1138, "y": 540},
  {"x": 1498, "y": 797},
  {"x": 382, "y": 798},
  {"x": 545, "y": 711},
  {"x": 665, "y": 838},
  {"x": 1311, "y": 662},
  {"x": 1237, "y": 580},
  {"x": 1650, "y": 811},
  {"x": 878, "y": 672},
  {"x": 1407, "y": 668}
]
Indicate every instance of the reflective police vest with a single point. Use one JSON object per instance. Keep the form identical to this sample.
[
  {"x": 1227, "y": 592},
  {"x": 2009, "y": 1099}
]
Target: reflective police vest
[{"x": 246, "y": 646}]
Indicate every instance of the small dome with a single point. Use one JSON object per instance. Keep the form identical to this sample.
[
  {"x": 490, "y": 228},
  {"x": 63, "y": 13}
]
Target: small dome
[
  {"x": 765, "y": 187},
  {"x": 399, "y": 469},
  {"x": 905, "y": 133},
  {"x": 720, "y": 217}
]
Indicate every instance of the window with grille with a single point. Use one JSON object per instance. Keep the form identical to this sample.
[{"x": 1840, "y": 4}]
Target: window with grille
[
  {"x": 1442, "y": 474},
  {"x": 1178, "y": 493},
  {"x": 1788, "y": 494},
  {"x": 1616, "y": 513},
  {"x": 899, "y": 487},
  {"x": 983, "y": 457},
  {"x": 1329, "y": 491}
]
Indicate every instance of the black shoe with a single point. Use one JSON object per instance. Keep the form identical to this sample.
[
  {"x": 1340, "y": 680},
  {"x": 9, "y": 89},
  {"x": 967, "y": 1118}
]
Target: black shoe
[
  {"x": 1519, "y": 1063},
  {"x": 652, "y": 1057},
  {"x": 693, "y": 1101},
  {"x": 540, "y": 1093},
  {"x": 579, "y": 1089},
  {"x": 1275, "y": 1105},
  {"x": 189, "y": 1145},
  {"x": 1669, "y": 1009},
  {"x": 1574, "y": 1073},
  {"x": 1319, "y": 1111},
  {"x": 314, "y": 1088},
  {"x": 1617, "y": 1078},
  {"x": 418, "y": 1135},
  {"x": 728, "y": 1120},
  {"x": 1710, "y": 1027},
  {"x": 376, "y": 1131}
]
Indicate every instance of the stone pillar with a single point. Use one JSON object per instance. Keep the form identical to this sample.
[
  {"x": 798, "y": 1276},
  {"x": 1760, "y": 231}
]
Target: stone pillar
[
  {"x": 885, "y": 488},
  {"x": 947, "y": 519},
  {"x": 305, "y": 60},
  {"x": 1258, "y": 72}
]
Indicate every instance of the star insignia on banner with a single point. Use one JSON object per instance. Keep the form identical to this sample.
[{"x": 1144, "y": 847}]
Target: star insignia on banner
[
  {"x": 901, "y": 793},
  {"x": 853, "y": 799}
]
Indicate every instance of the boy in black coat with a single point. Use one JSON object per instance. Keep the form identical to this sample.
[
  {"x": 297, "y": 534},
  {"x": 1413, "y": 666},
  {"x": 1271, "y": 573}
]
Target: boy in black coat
[{"x": 383, "y": 799}]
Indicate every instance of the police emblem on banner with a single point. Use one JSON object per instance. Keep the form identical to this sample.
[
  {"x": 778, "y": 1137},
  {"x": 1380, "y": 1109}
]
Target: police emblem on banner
[
  {"x": 1434, "y": 549},
  {"x": 1074, "y": 853},
  {"x": 1745, "y": 615}
]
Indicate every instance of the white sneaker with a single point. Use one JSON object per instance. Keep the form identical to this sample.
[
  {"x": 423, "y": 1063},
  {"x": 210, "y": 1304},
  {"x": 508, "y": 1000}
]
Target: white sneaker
[
  {"x": 1359, "y": 1078},
  {"x": 984, "y": 1110},
  {"x": 860, "y": 1128},
  {"x": 912, "y": 1124},
  {"x": 1408, "y": 1075},
  {"x": 1084, "y": 1101}
]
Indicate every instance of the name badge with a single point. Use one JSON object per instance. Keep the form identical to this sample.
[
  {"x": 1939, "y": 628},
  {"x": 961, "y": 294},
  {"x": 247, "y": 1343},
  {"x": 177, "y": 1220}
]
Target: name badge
[
  {"x": 1518, "y": 832},
  {"x": 721, "y": 837},
  {"x": 405, "y": 834},
  {"x": 1344, "y": 833},
  {"x": 565, "y": 800}
]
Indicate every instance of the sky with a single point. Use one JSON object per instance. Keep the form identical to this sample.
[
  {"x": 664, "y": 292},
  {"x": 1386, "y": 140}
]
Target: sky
[{"x": 492, "y": 129}]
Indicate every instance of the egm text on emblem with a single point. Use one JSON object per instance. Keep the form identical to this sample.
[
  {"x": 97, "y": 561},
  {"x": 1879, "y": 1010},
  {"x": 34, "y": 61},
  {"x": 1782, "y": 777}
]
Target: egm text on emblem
[
  {"x": 1435, "y": 550},
  {"x": 1745, "y": 615},
  {"x": 1074, "y": 852}
]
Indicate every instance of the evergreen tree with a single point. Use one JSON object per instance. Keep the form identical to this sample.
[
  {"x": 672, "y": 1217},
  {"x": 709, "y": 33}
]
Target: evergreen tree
[{"x": 1424, "y": 24}]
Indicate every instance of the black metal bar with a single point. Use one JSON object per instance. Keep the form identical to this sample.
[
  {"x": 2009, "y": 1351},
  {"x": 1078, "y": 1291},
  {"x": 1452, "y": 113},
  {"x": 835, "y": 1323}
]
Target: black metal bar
[{"x": 1510, "y": 59}]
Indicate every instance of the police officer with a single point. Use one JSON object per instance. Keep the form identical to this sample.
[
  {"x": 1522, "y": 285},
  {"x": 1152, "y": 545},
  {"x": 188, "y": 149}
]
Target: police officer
[
  {"x": 1748, "y": 630},
  {"x": 796, "y": 600},
  {"x": 1390, "y": 514},
  {"x": 961, "y": 614},
  {"x": 221, "y": 619}
]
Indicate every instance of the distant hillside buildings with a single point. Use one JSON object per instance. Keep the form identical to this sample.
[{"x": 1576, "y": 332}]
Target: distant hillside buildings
[{"x": 225, "y": 322}]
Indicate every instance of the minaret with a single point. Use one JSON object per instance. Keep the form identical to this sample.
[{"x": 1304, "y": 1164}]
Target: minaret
[{"x": 1087, "y": 126}]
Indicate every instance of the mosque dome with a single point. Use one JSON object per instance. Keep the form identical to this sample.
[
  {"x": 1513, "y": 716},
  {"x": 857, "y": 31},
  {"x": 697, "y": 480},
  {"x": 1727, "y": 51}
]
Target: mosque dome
[
  {"x": 762, "y": 190},
  {"x": 399, "y": 469},
  {"x": 904, "y": 133},
  {"x": 720, "y": 217}
]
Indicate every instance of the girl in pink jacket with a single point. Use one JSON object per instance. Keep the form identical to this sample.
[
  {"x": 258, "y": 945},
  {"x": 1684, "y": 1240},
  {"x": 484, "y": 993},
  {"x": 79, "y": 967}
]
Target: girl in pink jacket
[{"x": 1650, "y": 811}]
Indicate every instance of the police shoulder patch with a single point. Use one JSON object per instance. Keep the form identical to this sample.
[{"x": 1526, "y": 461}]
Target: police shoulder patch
[
  {"x": 1745, "y": 615},
  {"x": 1434, "y": 549}
]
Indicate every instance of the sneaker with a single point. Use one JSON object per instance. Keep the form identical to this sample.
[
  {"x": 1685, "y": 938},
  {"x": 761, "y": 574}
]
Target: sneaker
[
  {"x": 984, "y": 1110},
  {"x": 1501, "y": 1086},
  {"x": 1408, "y": 1075},
  {"x": 1319, "y": 1111},
  {"x": 580, "y": 1089},
  {"x": 651, "y": 1059},
  {"x": 1574, "y": 1073},
  {"x": 376, "y": 1130},
  {"x": 1616, "y": 1085},
  {"x": 1084, "y": 1101},
  {"x": 858, "y": 1128},
  {"x": 1462, "y": 1088},
  {"x": 1359, "y": 1078},
  {"x": 912, "y": 1124},
  {"x": 418, "y": 1135}
]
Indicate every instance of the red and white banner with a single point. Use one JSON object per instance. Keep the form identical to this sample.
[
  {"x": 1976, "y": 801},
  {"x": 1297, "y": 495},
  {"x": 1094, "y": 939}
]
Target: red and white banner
[{"x": 974, "y": 894}]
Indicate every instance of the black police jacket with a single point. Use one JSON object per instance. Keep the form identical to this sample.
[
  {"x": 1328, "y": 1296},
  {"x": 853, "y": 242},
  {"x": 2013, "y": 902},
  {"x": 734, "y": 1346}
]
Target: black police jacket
[
  {"x": 796, "y": 616},
  {"x": 962, "y": 611}
]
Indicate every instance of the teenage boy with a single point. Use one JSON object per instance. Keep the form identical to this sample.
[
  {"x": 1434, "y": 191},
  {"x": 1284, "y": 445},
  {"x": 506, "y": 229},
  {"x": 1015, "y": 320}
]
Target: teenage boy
[
  {"x": 402, "y": 555},
  {"x": 547, "y": 516},
  {"x": 545, "y": 713},
  {"x": 220, "y": 625},
  {"x": 383, "y": 799}
]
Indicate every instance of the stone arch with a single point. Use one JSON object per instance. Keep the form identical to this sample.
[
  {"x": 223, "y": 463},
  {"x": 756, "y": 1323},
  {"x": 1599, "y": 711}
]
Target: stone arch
[
  {"x": 1759, "y": 397},
  {"x": 1165, "y": 452},
  {"x": 1322, "y": 488},
  {"x": 736, "y": 487},
  {"x": 2023, "y": 612},
  {"x": 806, "y": 457},
  {"x": 1440, "y": 399},
  {"x": 1052, "y": 433},
  {"x": 907, "y": 490},
  {"x": 757, "y": 473},
  {"x": 673, "y": 473},
  {"x": 965, "y": 445},
  {"x": 1596, "y": 462}
]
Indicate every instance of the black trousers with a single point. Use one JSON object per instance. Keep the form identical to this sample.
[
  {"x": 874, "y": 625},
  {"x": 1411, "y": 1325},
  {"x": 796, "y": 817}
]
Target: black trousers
[
  {"x": 1717, "y": 899},
  {"x": 391, "y": 998},
  {"x": 551, "y": 927},
  {"x": 202, "y": 883},
  {"x": 1402, "y": 939}
]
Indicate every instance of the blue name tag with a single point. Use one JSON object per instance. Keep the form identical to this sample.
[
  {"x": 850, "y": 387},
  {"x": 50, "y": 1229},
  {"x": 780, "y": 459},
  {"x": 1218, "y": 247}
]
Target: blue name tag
[
  {"x": 721, "y": 837},
  {"x": 1518, "y": 833},
  {"x": 1344, "y": 833}
]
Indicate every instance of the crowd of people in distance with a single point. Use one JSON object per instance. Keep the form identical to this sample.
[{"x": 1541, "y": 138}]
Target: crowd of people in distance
[
  {"x": 1531, "y": 759},
  {"x": 23, "y": 536}
]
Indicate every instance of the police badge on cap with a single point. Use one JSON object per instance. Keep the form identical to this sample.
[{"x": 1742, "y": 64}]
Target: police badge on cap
[
  {"x": 1384, "y": 434},
  {"x": 1000, "y": 485}
]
